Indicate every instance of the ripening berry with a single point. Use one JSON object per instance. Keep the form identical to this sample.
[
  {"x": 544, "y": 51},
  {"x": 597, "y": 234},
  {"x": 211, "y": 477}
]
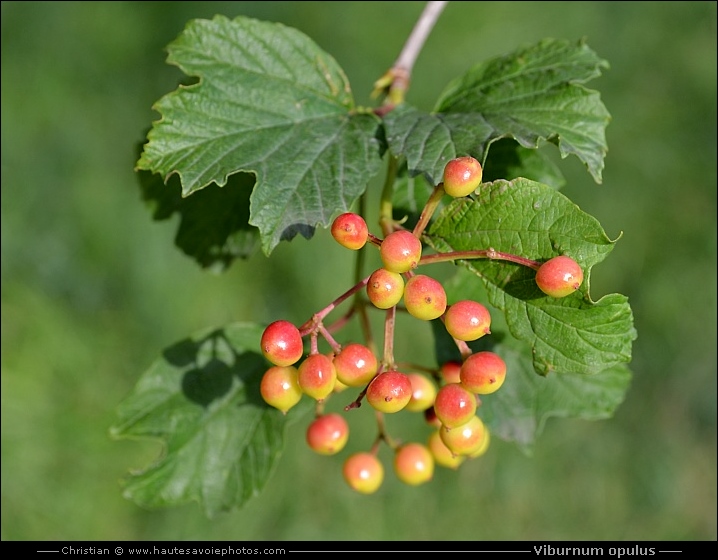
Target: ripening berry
[
  {"x": 443, "y": 455},
  {"x": 279, "y": 387},
  {"x": 450, "y": 371},
  {"x": 389, "y": 392},
  {"x": 454, "y": 405},
  {"x": 559, "y": 276},
  {"x": 484, "y": 445},
  {"x": 400, "y": 251},
  {"x": 328, "y": 434},
  {"x": 350, "y": 231},
  {"x": 281, "y": 343},
  {"x": 465, "y": 439},
  {"x": 363, "y": 472},
  {"x": 483, "y": 373},
  {"x": 316, "y": 376},
  {"x": 467, "y": 320},
  {"x": 462, "y": 176},
  {"x": 413, "y": 464},
  {"x": 356, "y": 365},
  {"x": 424, "y": 297},
  {"x": 385, "y": 288},
  {"x": 423, "y": 392}
]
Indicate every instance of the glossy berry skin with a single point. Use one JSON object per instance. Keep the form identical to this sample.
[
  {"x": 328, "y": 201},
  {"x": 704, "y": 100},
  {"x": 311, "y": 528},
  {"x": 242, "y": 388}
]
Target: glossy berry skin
[
  {"x": 316, "y": 376},
  {"x": 484, "y": 445},
  {"x": 328, "y": 434},
  {"x": 363, "y": 472},
  {"x": 281, "y": 343},
  {"x": 400, "y": 251},
  {"x": 385, "y": 288},
  {"x": 423, "y": 392},
  {"x": 350, "y": 231},
  {"x": 356, "y": 365},
  {"x": 467, "y": 320},
  {"x": 424, "y": 297},
  {"x": 450, "y": 371},
  {"x": 413, "y": 464},
  {"x": 455, "y": 405},
  {"x": 483, "y": 373},
  {"x": 465, "y": 439},
  {"x": 462, "y": 176},
  {"x": 443, "y": 455},
  {"x": 559, "y": 276},
  {"x": 389, "y": 392},
  {"x": 279, "y": 387}
]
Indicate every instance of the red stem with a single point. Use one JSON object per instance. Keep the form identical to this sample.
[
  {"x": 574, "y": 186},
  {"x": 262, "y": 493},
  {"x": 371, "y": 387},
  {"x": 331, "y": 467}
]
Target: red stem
[{"x": 489, "y": 253}]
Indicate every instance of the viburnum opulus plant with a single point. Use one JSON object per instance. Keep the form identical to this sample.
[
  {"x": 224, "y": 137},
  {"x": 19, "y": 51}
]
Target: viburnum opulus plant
[{"x": 268, "y": 143}]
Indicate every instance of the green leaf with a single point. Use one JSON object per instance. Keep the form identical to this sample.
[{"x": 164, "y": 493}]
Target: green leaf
[
  {"x": 202, "y": 400},
  {"x": 269, "y": 102},
  {"x": 508, "y": 160},
  {"x": 519, "y": 410},
  {"x": 534, "y": 94},
  {"x": 214, "y": 223},
  {"x": 409, "y": 196},
  {"x": 532, "y": 220}
]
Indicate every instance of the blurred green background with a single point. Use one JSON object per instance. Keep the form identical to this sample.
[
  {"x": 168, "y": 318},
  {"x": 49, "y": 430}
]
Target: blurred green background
[{"x": 93, "y": 290}]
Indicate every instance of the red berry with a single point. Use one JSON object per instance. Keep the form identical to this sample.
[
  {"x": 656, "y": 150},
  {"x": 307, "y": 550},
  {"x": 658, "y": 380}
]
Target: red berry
[
  {"x": 328, "y": 434},
  {"x": 389, "y": 392},
  {"x": 423, "y": 392},
  {"x": 466, "y": 439},
  {"x": 363, "y": 472},
  {"x": 462, "y": 176},
  {"x": 443, "y": 455},
  {"x": 400, "y": 251},
  {"x": 424, "y": 297},
  {"x": 484, "y": 445},
  {"x": 385, "y": 288},
  {"x": 467, "y": 320},
  {"x": 316, "y": 376},
  {"x": 483, "y": 373},
  {"x": 281, "y": 343},
  {"x": 279, "y": 387},
  {"x": 559, "y": 276},
  {"x": 413, "y": 464},
  {"x": 450, "y": 371},
  {"x": 356, "y": 365},
  {"x": 454, "y": 405},
  {"x": 350, "y": 230}
]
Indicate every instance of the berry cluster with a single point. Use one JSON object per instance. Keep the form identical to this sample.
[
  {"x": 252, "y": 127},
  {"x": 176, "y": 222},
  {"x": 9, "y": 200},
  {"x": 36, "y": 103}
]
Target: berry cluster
[{"x": 448, "y": 397}]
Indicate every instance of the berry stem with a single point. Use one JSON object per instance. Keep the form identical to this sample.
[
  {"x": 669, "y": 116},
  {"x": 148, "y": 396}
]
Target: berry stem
[
  {"x": 313, "y": 343},
  {"x": 383, "y": 434},
  {"x": 336, "y": 347},
  {"x": 313, "y": 324},
  {"x": 489, "y": 253},
  {"x": 374, "y": 240},
  {"x": 389, "y": 324},
  {"x": 356, "y": 403},
  {"x": 429, "y": 209},
  {"x": 395, "y": 82}
]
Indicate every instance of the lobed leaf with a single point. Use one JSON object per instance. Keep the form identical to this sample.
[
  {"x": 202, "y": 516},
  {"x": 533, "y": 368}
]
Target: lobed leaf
[
  {"x": 532, "y": 95},
  {"x": 201, "y": 399},
  {"x": 270, "y": 102},
  {"x": 532, "y": 220}
]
